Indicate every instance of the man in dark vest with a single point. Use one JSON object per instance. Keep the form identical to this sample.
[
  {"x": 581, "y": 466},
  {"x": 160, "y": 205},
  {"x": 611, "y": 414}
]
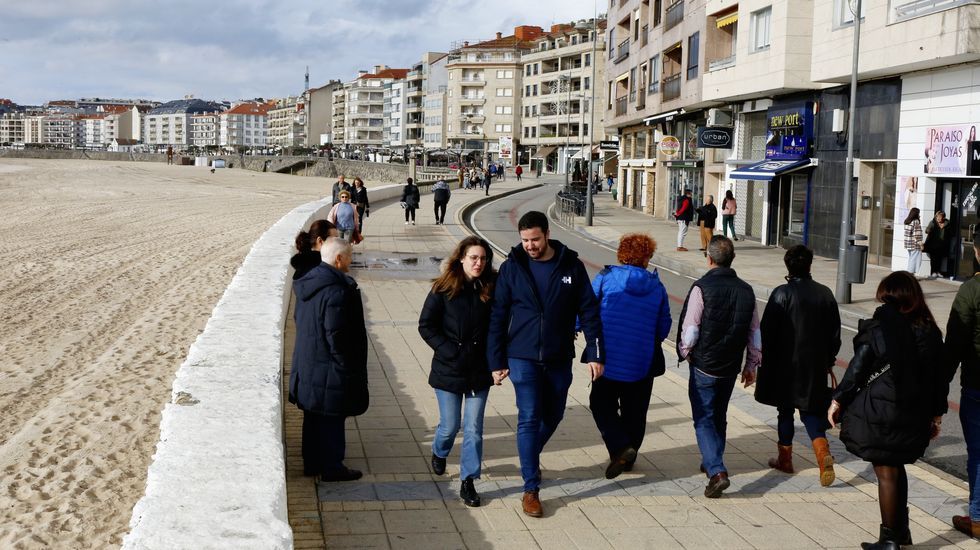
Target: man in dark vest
[
  {"x": 684, "y": 214},
  {"x": 718, "y": 323}
]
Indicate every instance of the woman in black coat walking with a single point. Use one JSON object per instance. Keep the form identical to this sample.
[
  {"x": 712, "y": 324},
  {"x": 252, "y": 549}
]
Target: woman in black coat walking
[
  {"x": 454, "y": 322},
  {"x": 410, "y": 199},
  {"x": 938, "y": 237},
  {"x": 892, "y": 397}
]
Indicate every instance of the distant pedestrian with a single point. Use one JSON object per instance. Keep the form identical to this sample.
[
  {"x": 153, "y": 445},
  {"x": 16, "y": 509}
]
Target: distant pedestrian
[
  {"x": 454, "y": 323},
  {"x": 518, "y": 170},
  {"x": 410, "y": 200},
  {"x": 486, "y": 185},
  {"x": 892, "y": 397},
  {"x": 328, "y": 381},
  {"x": 460, "y": 173},
  {"x": 800, "y": 341},
  {"x": 467, "y": 181},
  {"x": 684, "y": 214},
  {"x": 963, "y": 347},
  {"x": 492, "y": 171},
  {"x": 170, "y": 154},
  {"x": 717, "y": 325},
  {"x": 308, "y": 244},
  {"x": 728, "y": 209},
  {"x": 338, "y": 186},
  {"x": 541, "y": 290},
  {"x": 609, "y": 182},
  {"x": 707, "y": 215},
  {"x": 501, "y": 173},
  {"x": 913, "y": 240},
  {"x": 938, "y": 238},
  {"x": 344, "y": 216},
  {"x": 440, "y": 198},
  {"x": 359, "y": 197},
  {"x": 634, "y": 306}
]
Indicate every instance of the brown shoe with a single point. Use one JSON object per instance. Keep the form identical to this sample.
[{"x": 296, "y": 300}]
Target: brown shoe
[
  {"x": 532, "y": 504},
  {"x": 784, "y": 461},
  {"x": 825, "y": 461},
  {"x": 681, "y": 249},
  {"x": 717, "y": 485},
  {"x": 967, "y": 526}
]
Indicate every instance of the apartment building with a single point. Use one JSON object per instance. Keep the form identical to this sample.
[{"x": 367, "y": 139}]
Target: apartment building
[
  {"x": 560, "y": 121},
  {"x": 91, "y": 130},
  {"x": 120, "y": 122},
  {"x": 12, "y": 128},
  {"x": 62, "y": 131},
  {"x": 244, "y": 125},
  {"x": 170, "y": 123},
  {"x": 206, "y": 130},
  {"x": 338, "y": 117},
  {"x": 358, "y": 111},
  {"x": 394, "y": 116},
  {"x": 318, "y": 113},
  {"x": 286, "y": 122},
  {"x": 484, "y": 95}
]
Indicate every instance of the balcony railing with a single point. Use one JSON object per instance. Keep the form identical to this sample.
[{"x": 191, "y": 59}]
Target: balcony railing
[
  {"x": 672, "y": 87},
  {"x": 621, "y": 105},
  {"x": 622, "y": 51},
  {"x": 675, "y": 14},
  {"x": 654, "y": 86},
  {"x": 721, "y": 63}
]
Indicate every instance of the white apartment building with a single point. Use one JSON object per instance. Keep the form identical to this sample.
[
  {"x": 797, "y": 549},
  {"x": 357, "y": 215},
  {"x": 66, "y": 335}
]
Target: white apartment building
[
  {"x": 206, "y": 130},
  {"x": 394, "y": 116},
  {"x": 244, "y": 125},
  {"x": 559, "y": 119},
  {"x": 286, "y": 123},
  {"x": 338, "y": 117},
  {"x": 362, "y": 111},
  {"x": 92, "y": 130},
  {"x": 12, "y": 128},
  {"x": 170, "y": 123},
  {"x": 318, "y": 117},
  {"x": 62, "y": 131}
]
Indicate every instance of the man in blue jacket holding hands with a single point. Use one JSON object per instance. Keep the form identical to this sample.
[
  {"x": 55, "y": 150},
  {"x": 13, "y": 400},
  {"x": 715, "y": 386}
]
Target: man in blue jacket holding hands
[{"x": 541, "y": 289}]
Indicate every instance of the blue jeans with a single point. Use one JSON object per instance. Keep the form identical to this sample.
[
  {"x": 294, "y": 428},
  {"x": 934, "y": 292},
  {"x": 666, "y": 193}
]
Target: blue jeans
[
  {"x": 709, "y": 407},
  {"x": 970, "y": 419},
  {"x": 816, "y": 425},
  {"x": 472, "y": 406},
  {"x": 542, "y": 389}
]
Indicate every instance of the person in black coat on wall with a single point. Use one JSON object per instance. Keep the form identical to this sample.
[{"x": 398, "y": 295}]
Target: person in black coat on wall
[
  {"x": 892, "y": 397},
  {"x": 454, "y": 323},
  {"x": 328, "y": 380}
]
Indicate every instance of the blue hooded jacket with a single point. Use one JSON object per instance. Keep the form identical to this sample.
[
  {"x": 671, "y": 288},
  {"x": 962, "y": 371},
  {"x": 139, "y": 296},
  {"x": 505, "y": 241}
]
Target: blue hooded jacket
[{"x": 636, "y": 314}]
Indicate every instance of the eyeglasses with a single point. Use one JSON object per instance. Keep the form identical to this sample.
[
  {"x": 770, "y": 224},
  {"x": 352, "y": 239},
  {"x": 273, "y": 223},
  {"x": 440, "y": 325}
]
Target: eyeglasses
[
  {"x": 474, "y": 259},
  {"x": 342, "y": 197}
]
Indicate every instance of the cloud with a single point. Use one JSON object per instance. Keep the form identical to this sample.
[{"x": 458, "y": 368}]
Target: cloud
[{"x": 59, "y": 49}]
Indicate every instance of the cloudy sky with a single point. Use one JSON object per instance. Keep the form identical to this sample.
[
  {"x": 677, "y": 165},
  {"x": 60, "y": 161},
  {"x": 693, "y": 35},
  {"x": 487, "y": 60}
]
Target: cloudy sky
[{"x": 236, "y": 49}]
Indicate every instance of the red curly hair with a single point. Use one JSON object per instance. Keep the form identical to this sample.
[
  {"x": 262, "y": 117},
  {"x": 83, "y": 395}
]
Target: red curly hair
[{"x": 636, "y": 249}]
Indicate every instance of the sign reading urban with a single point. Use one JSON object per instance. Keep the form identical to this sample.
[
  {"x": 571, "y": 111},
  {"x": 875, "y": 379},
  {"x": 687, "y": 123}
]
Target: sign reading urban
[{"x": 715, "y": 138}]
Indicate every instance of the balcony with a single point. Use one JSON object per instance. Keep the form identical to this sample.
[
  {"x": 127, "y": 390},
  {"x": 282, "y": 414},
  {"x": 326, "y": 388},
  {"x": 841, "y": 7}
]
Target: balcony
[
  {"x": 472, "y": 100},
  {"x": 675, "y": 14},
  {"x": 622, "y": 51},
  {"x": 719, "y": 64},
  {"x": 474, "y": 119},
  {"x": 671, "y": 87},
  {"x": 473, "y": 82},
  {"x": 621, "y": 103}
]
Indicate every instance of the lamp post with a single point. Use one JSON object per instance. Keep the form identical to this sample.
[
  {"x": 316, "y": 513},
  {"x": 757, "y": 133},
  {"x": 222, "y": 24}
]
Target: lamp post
[
  {"x": 843, "y": 292},
  {"x": 567, "y": 79},
  {"x": 588, "y": 178}
]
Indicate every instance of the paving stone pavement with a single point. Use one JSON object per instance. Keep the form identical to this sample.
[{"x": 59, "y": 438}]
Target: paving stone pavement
[{"x": 399, "y": 503}]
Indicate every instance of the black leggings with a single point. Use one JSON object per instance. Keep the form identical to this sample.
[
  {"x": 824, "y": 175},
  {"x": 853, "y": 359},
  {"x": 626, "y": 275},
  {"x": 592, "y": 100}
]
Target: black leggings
[
  {"x": 441, "y": 211},
  {"x": 409, "y": 211},
  {"x": 893, "y": 496},
  {"x": 936, "y": 263}
]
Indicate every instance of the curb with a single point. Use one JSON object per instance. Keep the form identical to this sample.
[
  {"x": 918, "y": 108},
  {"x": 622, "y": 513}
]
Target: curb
[{"x": 464, "y": 213}]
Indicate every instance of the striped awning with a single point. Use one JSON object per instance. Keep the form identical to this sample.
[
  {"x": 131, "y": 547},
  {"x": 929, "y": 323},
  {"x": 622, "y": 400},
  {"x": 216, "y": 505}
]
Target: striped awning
[{"x": 727, "y": 20}]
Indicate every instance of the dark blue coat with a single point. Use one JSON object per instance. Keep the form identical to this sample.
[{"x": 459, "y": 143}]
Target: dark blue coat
[
  {"x": 636, "y": 314},
  {"x": 329, "y": 370},
  {"x": 524, "y": 325}
]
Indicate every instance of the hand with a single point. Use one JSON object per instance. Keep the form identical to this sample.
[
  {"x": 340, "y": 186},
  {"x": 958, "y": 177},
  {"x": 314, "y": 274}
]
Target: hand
[
  {"x": 499, "y": 376},
  {"x": 832, "y": 413},
  {"x": 367, "y": 212},
  {"x": 748, "y": 376},
  {"x": 937, "y": 426},
  {"x": 596, "y": 370}
]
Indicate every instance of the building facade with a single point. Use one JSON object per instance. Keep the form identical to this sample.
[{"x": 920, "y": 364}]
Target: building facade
[
  {"x": 170, "y": 123},
  {"x": 286, "y": 123},
  {"x": 318, "y": 113},
  {"x": 244, "y": 125}
]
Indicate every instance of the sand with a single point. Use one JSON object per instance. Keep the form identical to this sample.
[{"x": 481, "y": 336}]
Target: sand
[{"x": 109, "y": 272}]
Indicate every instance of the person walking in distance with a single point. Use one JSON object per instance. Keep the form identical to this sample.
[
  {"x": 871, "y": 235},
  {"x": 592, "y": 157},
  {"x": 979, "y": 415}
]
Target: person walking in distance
[
  {"x": 541, "y": 289},
  {"x": 963, "y": 347},
  {"x": 440, "y": 198},
  {"x": 328, "y": 380},
  {"x": 913, "y": 240},
  {"x": 338, "y": 186},
  {"x": 344, "y": 216},
  {"x": 800, "y": 340},
  {"x": 487, "y": 180},
  {"x": 518, "y": 170},
  {"x": 729, "y": 207},
  {"x": 892, "y": 397},
  {"x": 684, "y": 214},
  {"x": 454, "y": 323},
  {"x": 707, "y": 215},
  {"x": 717, "y": 324},
  {"x": 359, "y": 197},
  {"x": 410, "y": 198},
  {"x": 634, "y": 307}
]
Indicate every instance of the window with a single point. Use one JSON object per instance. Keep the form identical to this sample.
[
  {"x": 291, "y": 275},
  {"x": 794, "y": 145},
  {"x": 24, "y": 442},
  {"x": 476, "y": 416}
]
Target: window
[
  {"x": 534, "y": 89},
  {"x": 505, "y": 74},
  {"x": 508, "y": 56},
  {"x": 588, "y": 59},
  {"x": 527, "y": 90},
  {"x": 843, "y": 16},
  {"x": 502, "y": 127},
  {"x": 654, "y": 75},
  {"x": 586, "y": 83},
  {"x": 527, "y": 70},
  {"x": 693, "y": 52},
  {"x": 609, "y": 95},
  {"x": 527, "y": 131},
  {"x": 658, "y": 10},
  {"x": 609, "y": 43},
  {"x": 534, "y": 131},
  {"x": 505, "y": 92},
  {"x": 504, "y": 110},
  {"x": 760, "y": 29},
  {"x": 536, "y": 67},
  {"x": 632, "y": 84},
  {"x": 574, "y": 40}
]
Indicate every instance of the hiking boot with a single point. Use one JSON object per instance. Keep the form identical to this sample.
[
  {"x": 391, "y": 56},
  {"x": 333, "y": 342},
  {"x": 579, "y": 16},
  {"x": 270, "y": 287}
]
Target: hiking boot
[
  {"x": 825, "y": 461},
  {"x": 784, "y": 461},
  {"x": 618, "y": 464},
  {"x": 532, "y": 504},
  {"x": 438, "y": 465},
  {"x": 717, "y": 485}
]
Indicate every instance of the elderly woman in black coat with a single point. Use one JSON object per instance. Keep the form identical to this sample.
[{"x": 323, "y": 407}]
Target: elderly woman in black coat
[{"x": 892, "y": 397}]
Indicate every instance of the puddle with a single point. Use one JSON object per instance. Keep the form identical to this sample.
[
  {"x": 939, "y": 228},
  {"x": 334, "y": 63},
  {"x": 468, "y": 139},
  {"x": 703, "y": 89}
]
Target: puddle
[{"x": 398, "y": 264}]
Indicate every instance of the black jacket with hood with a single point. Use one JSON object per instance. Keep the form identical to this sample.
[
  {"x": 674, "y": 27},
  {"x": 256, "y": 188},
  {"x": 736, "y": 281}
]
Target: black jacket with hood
[{"x": 456, "y": 330}]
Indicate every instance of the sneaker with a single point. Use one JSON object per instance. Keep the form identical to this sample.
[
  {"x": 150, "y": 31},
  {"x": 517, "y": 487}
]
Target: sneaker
[
  {"x": 681, "y": 249},
  {"x": 406, "y": 223},
  {"x": 438, "y": 465},
  {"x": 468, "y": 493},
  {"x": 618, "y": 464},
  {"x": 346, "y": 474},
  {"x": 413, "y": 222},
  {"x": 717, "y": 485}
]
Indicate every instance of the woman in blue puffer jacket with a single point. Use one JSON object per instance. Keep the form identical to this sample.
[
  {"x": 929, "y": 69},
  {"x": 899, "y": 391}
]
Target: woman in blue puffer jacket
[{"x": 636, "y": 316}]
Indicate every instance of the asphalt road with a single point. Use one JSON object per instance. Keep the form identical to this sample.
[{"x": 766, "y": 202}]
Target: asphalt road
[{"x": 497, "y": 222}]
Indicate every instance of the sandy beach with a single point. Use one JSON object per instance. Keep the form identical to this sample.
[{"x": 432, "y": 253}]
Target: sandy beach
[{"x": 110, "y": 271}]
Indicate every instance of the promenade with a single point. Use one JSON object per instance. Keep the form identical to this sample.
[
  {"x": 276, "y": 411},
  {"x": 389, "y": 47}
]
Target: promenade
[{"x": 399, "y": 503}]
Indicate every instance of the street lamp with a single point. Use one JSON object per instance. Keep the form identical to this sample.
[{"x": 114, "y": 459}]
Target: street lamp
[
  {"x": 843, "y": 292},
  {"x": 588, "y": 178}
]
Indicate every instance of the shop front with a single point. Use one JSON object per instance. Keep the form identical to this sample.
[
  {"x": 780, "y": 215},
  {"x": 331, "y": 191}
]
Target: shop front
[{"x": 684, "y": 161}]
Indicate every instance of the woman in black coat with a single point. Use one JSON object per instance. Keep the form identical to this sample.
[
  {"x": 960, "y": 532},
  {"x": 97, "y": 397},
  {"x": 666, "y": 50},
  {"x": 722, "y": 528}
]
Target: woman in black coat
[
  {"x": 892, "y": 396},
  {"x": 454, "y": 322},
  {"x": 410, "y": 199},
  {"x": 308, "y": 245},
  {"x": 939, "y": 234}
]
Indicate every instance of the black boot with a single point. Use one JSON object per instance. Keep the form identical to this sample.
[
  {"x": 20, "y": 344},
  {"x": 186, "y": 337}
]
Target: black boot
[
  {"x": 887, "y": 540},
  {"x": 468, "y": 493},
  {"x": 438, "y": 465}
]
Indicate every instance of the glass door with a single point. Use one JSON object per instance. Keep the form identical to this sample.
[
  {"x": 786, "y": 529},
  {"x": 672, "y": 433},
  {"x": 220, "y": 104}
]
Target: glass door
[
  {"x": 966, "y": 221},
  {"x": 883, "y": 214}
]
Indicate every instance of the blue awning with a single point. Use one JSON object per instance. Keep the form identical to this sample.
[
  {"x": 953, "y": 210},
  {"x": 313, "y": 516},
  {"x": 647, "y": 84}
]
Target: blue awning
[{"x": 768, "y": 169}]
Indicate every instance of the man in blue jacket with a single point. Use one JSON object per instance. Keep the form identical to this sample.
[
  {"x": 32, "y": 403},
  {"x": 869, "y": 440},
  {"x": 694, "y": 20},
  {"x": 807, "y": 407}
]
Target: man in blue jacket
[{"x": 541, "y": 289}]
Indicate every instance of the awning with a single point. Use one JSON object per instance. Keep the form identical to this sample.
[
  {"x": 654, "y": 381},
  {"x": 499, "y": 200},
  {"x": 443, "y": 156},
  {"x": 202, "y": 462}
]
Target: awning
[
  {"x": 544, "y": 152},
  {"x": 769, "y": 169},
  {"x": 582, "y": 152},
  {"x": 727, "y": 20}
]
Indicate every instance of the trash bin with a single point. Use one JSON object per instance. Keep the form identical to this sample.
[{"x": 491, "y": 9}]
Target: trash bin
[
  {"x": 856, "y": 259},
  {"x": 614, "y": 193}
]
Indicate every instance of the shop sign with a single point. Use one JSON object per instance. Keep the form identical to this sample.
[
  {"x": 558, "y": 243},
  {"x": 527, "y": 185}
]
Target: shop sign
[
  {"x": 609, "y": 145},
  {"x": 715, "y": 138},
  {"x": 946, "y": 149},
  {"x": 789, "y": 131},
  {"x": 670, "y": 146},
  {"x": 506, "y": 144},
  {"x": 973, "y": 158}
]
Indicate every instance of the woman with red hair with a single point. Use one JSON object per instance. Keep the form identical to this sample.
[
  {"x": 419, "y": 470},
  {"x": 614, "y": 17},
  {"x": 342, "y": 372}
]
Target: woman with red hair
[{"x": 634, "y": 308}]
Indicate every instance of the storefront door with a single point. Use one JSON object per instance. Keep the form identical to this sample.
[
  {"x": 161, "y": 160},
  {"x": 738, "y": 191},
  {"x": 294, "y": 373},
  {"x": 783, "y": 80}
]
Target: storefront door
[
  {"x": 787, "y": 206},
  {"x": 958, "y": 198},
  {"x": 686, "y": 178},
  {"x": 883, "y": 214}
]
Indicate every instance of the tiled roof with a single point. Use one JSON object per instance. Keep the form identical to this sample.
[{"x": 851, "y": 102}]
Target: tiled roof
[
  {"x": 396, "y": 74},
  {"x": 259, "y": 109}
]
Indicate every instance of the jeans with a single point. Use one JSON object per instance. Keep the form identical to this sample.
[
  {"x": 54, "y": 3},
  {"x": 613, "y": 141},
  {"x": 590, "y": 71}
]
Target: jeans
[
  {"x": 441, "y": 211},
  {"x": 709, "y": 407},
  {"x": 728, "y": 222},
  {"x": 324, "y": 443},
  {"x": 472, "y": 406},
  {"x": 681, "y": 232},
  {"x": 970, "y": 419},
  {"x": 620, "y": 412},
  {"x": 542, "y": 389},
  {"x": 816, "y": 425},
  {"x": 915, "y": 260}
]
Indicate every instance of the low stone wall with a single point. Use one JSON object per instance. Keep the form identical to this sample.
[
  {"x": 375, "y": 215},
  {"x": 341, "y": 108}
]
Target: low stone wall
[
  {"x": 218, "y": 474},
  {"x": 78, "y": 154}
]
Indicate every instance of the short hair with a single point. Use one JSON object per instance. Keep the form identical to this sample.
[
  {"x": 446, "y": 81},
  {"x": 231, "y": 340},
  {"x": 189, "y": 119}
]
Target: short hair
[
  {"x": 344, "y": 193},
  {"x": 533, "y": 219},
  {"x": 410, "y": 180},
  {"x": 333, "y": 247},
  {"x": 798, "y": 260},
  {"x": 721, "y": 251},
  {"x": 636, "y": 249}
]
